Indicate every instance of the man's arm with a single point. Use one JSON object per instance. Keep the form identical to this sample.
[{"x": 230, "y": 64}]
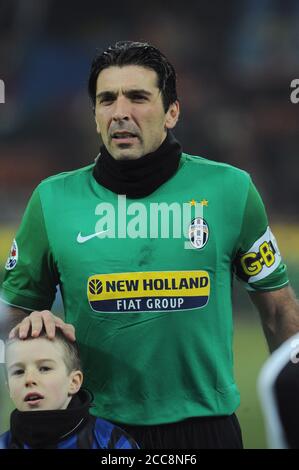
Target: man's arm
[
  {"x": 279, "y": 312},
  {"x": 16, "y": 322},
  {"x": 9, "y": 318}
]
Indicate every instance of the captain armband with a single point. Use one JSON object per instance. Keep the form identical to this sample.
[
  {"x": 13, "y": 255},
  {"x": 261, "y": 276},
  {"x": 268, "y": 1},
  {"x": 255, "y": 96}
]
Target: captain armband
[{"x": 260, "y": 260}]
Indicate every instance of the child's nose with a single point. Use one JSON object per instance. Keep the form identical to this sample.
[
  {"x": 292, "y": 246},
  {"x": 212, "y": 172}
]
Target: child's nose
[{"x": 30, "y": 378}]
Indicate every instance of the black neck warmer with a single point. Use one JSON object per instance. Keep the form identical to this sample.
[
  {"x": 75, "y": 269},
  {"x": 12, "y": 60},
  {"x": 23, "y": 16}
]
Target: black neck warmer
[
  {"x": 140, "y": 177},
  {"x": 43, "y": 429}
]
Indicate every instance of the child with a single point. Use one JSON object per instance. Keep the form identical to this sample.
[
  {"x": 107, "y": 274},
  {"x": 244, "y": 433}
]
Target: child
[{"x": 44, "y": 379}]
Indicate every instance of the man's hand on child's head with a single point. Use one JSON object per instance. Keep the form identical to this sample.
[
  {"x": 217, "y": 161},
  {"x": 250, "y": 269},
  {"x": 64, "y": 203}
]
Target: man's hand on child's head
[{"x": 37, "y": 320}]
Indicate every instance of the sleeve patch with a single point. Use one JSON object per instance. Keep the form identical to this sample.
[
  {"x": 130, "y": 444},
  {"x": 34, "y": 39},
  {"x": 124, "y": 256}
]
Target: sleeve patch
[
  {"x": 12, "y": 257},
  {"x": 260, "y": 260}
]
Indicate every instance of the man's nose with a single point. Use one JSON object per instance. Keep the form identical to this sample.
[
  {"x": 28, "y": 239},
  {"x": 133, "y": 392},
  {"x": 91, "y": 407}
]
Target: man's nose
[{"x": 121, "y": 109}]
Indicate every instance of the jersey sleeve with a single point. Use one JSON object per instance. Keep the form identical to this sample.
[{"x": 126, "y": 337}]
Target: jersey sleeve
[
  {"x": 258, "y": 262},
  {"x": 30, "y": 274}
]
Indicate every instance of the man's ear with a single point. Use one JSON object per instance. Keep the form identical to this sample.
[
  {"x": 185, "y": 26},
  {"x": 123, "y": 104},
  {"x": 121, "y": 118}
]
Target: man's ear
[
  {"x": 172, "y": 115},
  {"x": 76, "y": 379}
]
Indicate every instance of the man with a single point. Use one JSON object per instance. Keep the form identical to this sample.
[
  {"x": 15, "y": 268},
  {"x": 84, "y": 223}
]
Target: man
[{"x": 152, "y": 312}]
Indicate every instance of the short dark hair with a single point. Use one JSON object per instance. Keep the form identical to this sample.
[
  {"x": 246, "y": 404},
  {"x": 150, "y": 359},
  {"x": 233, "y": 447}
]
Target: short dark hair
[
  {"x": 136, "y": 53},
  {"x": 71, "y": 357}
]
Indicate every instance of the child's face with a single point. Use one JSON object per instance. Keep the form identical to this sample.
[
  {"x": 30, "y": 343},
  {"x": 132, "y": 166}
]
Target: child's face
[{"x": 37, "y": 375}]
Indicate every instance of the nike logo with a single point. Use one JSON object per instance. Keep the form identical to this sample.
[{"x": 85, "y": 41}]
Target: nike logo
[{"x": 81, "y": 239}]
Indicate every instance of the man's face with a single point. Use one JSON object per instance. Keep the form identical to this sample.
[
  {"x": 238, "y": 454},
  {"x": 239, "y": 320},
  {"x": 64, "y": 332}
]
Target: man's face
[
  {"x": 37, "y": 375},
  {"x": 129, "y": 111}
]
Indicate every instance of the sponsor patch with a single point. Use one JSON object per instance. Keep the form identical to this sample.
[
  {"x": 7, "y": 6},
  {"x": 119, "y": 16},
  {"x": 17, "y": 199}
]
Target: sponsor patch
[
  {"x": 148, "y": 291},
  {"x": 198, "y": 232},
  {"x": 12, "y": 257},
  {"x": 260, "y": 260}
]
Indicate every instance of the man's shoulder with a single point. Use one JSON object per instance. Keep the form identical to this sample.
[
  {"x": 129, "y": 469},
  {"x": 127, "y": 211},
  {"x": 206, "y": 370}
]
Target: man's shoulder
[
  {"x": 213, "y": 166},
  {"x": 67, "y": 177}
]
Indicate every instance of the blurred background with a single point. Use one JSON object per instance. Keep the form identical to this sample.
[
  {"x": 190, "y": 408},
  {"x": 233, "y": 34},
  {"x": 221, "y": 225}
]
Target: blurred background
[{"x": 235, "y": 61}]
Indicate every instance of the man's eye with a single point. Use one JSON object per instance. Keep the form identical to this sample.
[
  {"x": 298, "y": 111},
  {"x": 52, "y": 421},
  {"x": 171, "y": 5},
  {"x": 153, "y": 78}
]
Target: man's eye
[
  {"x": 106, "y": 101},
  {"x": 138, "y": 98}
]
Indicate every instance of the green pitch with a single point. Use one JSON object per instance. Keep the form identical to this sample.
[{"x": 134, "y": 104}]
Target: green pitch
[{"x": 250, "y": 353}]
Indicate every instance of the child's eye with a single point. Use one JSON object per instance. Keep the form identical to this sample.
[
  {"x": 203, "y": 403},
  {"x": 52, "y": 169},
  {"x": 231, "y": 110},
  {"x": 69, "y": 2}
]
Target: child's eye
[
  {"x": 18, "y": 372},
  {"x": 44, "y": 368}
]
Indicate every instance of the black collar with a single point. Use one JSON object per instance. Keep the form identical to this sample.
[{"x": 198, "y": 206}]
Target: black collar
[
  {"x": 140, "y": 177},
  {"x": 44, "y": 429}
]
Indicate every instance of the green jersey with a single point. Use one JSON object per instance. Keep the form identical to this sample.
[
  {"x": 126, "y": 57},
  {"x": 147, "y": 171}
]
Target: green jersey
[{"x": 151, "y": 304}]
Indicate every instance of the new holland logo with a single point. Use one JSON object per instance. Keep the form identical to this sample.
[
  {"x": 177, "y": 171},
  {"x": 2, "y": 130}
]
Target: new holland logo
[
  {"x": 95, "y": 286},
  {"x": 148, "y": 291},
  {"x": 198, "y": 232}
]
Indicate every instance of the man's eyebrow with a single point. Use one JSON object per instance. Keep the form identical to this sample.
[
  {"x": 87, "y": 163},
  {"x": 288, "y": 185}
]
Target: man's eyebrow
[
  {"x": 130, "y": 92},
  {"x": 104, "y": 94},
  {"x": 139, "y": 91}
]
